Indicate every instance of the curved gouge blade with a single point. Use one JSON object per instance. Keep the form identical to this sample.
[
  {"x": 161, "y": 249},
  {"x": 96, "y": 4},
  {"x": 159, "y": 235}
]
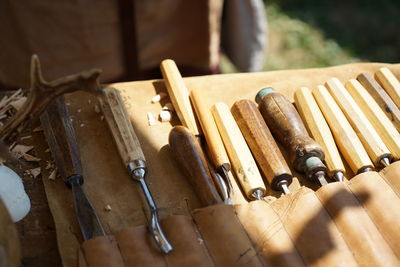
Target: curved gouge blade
[
  {"x": 239, "y": 153},
  {"x": 319, "y": 131},
  {"x": 345, "y": 137},
  {"x": 371, "y": 140},
  {"x": 132, "y": 155},
  {"x": 179, "y": 95},
  {"x": 376, "y": 116}
]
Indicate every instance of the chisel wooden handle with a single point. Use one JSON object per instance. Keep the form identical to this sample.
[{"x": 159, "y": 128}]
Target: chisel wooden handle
[
  {"x": 60, "y": 136},
  {"x": 261, "y": 143},
  {"x": 239, "y": 154},
  {"x": 191, "y": 159},
  {"x": 179, "y": 94},
  {"x": 376, "y": 116},
  {"x": 210, "y": 130},
  {"x": 288, "y": 128},
  {"x": 345, "y": 137},
  {"x": 120, "y": 126},
  {"x": 319, "y": 129},
  {"x": 390, "y": 83},
  {"x": 381, "y": 97},
  {"x": 371, "y": 140}
]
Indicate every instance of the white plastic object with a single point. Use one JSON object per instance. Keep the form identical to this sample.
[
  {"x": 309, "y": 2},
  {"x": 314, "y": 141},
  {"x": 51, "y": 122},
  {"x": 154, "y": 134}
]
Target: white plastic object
[
  {"x": 13, "y": 194},
  {"x": 165, "y": 115}
]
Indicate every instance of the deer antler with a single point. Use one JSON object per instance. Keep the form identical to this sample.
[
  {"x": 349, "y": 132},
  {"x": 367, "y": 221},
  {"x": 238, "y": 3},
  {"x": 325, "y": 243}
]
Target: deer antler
[{"x": 42, "y": 93}]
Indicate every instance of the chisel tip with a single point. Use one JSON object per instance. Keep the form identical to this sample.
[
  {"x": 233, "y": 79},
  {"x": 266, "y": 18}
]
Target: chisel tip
[
  {"x": 385, "y": 161},
  {"x": 338, "y": 176}
]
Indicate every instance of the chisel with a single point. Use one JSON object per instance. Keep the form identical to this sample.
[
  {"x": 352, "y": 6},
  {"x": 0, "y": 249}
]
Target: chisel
[
  {"x": 376, "y": 148},
  {"x": 242, "y": 161},
  {"x": 190, "y": 156},
  {"x": 262, "y": 145},
  {"x": 345, "y": 137},
  {"x": 131, "y": 154},
  {"x": 381, "y": 97},
  {"x": 179, "y": 95},
  {"x": 390, "y": 83},
  {"x": 60, "y": 136},
  {"x": 376, "y": 116},
  {"x": 286, "y": 126},
  {"x": 319, "y": 131}
]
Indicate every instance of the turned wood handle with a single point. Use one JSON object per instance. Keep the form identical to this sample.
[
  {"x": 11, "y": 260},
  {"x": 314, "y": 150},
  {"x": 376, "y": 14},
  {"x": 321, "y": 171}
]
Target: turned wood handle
[
  {"x": 210, "y": 130},
  {"x": 345, "y": 137},
  {"x": 179, "y": 95},
  {"x": 390, "y": 83},
  {"x": 120, "y": 126},
  {"x": 60, "y": 135},
  {"x": 261, "y": 143},
  {"x": 376, "y": 116},
  {"x": 287, "y": 127},
  {"x": 191, "y": 159},
  {"x": 381, "y": 97},
  {"x": 371, "y": 140},
  {"x": 243, "y": 163},
  {"x": 318, "y": 128}
]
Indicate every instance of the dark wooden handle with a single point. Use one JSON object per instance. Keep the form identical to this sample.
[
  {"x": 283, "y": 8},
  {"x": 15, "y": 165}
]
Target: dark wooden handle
[
  {"x": 287, "y": 127},
  {"x": 381, "y": 97},
  {"x": 262, "y": 144},
  {"x": 191, "y": 159},
  {"x": 60, "y": 136}
]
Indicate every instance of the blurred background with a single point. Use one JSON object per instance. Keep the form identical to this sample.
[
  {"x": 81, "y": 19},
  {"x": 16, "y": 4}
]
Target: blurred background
[{"x": 320, "y": 33}]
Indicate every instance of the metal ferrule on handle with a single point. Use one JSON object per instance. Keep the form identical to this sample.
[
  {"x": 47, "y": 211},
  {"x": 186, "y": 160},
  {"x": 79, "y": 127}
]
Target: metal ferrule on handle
[{"x": 137, "y": 170}]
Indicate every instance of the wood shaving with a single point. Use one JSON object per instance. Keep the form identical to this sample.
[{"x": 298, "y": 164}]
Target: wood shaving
[
  {"x": 20, "y": 150},
  {"x": 107, "y": 208},
  {"x": 26, "y": 137},
  {"x": 38, "y": 129},
  {"x": 29, "y": 157},
  {"x": 49, "y": 165},
  {"x": 35, "y": 172},
  {"x": 79, "y": 110},
  {"x": 47, "y": 150},
  {"x": 53, "y": 174},
  {"x": 82, "y": 124}
]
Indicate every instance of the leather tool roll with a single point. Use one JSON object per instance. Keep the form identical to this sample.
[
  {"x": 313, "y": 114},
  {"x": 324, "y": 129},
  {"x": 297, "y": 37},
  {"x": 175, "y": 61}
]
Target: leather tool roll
[
  {"x": 391, "y": 174},
  {"x": 382, "y": 205},
  {"x": 362, "y": 237},
  {"x": 313, "y": 232}
]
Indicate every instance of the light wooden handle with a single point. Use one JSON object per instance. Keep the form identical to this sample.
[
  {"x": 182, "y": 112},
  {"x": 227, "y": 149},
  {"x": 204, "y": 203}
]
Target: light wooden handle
[
  {"x": 318, "y": 128},
  {"x": 390, "y": 83},
  {"x": 345, "y": 137},
  {"x": 179, "y": 94},
  {"x": 120, "y": 126},
  {"x": 239, "y": 153},
  {"x": 210, "y": 130},
  {"x": 376, "y": 116},
  {"x": 381, "y": 97},
  {"x": 371, "y": 140}
]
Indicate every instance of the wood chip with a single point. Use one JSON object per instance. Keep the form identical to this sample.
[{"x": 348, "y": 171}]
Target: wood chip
[
  {"x": 53, "y": 175},
  {"x": 26, "y": 137},
  {"x": 82, "y": 124},
  {"x": 151, "y": 120},
  {"x": 107, "y": 208},
  {"x": 38, "y": 129},
  {"x": 35, "y": 172},
  {"x": 19, "y": 150},
  {"x": 47, "y": 150}
]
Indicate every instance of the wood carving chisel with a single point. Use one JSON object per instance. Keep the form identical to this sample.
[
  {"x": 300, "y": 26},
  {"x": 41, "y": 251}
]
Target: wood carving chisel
[
  {"x": 132, "y": 155},
  {"x": 60, "y": 136},
  {"x": 179, "y": 95},
  {"x": 190, "y": 156},
  {"x": 214, "y": 142},
  {"x": 242, "y": 161},
  {"x": 319, "y": 131},
  {"x": 376, "y": 148},
  {"x": 390, "y": 83},
  {"x": 345, "y": 137},
  {"x": 381, "y": 97},
  {"x": 376, "y": 116},
  {"x": 286, "y": 126},
  {"x": 262, "y": 145}
]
